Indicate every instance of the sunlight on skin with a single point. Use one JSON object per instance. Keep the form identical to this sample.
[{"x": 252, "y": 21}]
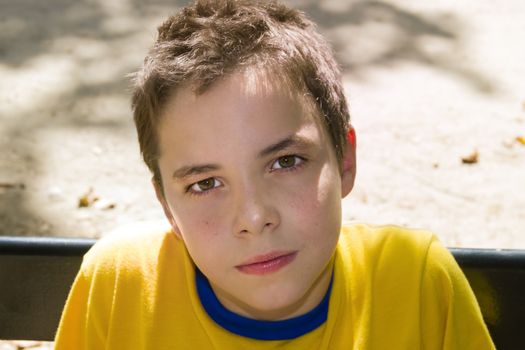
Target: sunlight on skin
[{"x": 252, "y": 210}]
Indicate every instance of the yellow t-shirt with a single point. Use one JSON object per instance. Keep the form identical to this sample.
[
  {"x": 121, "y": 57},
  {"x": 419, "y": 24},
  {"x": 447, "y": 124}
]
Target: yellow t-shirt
[{"x": 392, "y": 289}]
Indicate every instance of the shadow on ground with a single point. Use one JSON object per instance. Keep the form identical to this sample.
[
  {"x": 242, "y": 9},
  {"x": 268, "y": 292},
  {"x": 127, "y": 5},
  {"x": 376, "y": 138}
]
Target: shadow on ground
[{"x": 96, "y": 43}]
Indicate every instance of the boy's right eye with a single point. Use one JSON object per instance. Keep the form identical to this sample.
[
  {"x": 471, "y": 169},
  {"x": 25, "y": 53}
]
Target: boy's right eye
[{"x": 204, "y": 186}]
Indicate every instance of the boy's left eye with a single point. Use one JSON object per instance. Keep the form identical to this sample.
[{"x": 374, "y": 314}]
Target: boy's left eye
[{"x": 285, "y": 162}]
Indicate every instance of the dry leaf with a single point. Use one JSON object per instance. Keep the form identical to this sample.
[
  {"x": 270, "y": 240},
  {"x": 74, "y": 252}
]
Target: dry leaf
[
  {"x": 87, "y": 199},
  {"x": 471, "y": 158}
]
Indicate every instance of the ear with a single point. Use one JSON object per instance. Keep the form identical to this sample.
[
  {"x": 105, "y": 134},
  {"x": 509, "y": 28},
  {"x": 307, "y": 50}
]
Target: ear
[
  {"x": 167, "y": 211},
  {"x": 349, "y": 163}
]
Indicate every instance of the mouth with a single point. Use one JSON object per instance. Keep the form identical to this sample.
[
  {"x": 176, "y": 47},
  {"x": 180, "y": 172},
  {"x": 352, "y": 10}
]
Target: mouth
[{"x": 267, "y": 263}]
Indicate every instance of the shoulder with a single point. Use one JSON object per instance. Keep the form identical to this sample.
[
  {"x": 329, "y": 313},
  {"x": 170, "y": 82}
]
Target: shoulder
[
  {"x": 117, "y": 286},
  {"x": 393, "y": 253},
  {"x": 131, "y": 247},
  {"x": 386, "y": 241},
  {"x": 388, "y": 254}
]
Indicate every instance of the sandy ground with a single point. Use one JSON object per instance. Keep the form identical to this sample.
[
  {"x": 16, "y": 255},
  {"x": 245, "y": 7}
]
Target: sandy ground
[{"x": 428, "y": 83}]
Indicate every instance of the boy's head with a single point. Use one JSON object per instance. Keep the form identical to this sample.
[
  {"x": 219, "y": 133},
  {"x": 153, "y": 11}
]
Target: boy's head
[
  {"x": 242, "y": 119},
  {"x": 212, "y": 39}
]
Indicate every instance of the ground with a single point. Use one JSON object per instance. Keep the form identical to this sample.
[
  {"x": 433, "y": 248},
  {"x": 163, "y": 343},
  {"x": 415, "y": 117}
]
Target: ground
[{"x": 429, "y": 84}]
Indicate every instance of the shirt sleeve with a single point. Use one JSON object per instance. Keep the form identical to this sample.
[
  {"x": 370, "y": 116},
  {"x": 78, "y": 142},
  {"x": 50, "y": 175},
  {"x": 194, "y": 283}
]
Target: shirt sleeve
[
  {"x": 450, "y": 315},
  {"x": 85, "y": 318},
  {"x": 76, "y": 330}
]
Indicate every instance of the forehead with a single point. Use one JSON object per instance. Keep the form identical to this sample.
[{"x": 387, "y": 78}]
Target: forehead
[
  {"x": 251, "y": 82},
  {"x": 249, "y": 106}
]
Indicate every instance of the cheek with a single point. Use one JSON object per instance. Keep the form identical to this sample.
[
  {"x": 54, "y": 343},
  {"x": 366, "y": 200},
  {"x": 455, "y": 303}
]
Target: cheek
[
  {"x": 316, "y": 202},
  {"x": 200, "y": 231},
  {"x": 205, "y": 223},
  {"x": 200, "y": 226}
]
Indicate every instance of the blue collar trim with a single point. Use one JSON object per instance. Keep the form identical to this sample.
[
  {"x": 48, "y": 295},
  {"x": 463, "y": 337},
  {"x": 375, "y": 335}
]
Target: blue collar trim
[{"x": 258, "y": 329}]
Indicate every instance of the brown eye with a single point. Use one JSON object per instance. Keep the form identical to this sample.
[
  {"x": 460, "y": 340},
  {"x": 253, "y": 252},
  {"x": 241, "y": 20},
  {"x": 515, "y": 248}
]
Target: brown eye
[
  {"x": 286, "y": 161},
  {"x": 205, "y": 185}
]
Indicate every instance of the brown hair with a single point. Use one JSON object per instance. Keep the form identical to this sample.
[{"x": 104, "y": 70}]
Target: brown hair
[{"x": 210, "y": 39}]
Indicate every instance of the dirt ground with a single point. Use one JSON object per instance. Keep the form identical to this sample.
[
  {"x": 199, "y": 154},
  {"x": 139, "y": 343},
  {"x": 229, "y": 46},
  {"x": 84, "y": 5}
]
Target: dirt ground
[{"x": 428, "y": 84}]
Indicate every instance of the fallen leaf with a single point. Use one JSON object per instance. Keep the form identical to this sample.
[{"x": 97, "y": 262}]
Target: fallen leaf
[
  {"x": 87, "y": 199},
  {"x": 472, "y": 158},
  {"x": 521, "y": 139}
]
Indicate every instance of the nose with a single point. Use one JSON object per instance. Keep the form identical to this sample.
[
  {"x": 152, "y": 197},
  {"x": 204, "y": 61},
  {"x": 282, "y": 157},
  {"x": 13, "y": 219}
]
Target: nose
[{"x": 256, "y": 211}]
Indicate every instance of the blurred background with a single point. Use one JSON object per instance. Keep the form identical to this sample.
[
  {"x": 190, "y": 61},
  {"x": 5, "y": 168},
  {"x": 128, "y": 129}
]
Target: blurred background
[{"x": 436, "y": 91}]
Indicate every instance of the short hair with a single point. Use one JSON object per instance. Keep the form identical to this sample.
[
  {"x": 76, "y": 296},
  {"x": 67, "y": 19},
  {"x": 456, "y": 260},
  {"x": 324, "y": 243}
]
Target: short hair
[{"x": 210, "y": 39}]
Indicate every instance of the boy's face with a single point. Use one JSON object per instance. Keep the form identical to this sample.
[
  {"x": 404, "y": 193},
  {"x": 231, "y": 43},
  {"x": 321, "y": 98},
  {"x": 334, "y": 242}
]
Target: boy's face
[{"x": 253, "y": 187}]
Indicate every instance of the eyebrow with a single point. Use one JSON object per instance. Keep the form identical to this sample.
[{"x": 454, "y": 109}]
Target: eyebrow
[
  {"x": 287, "y": 142},
  {"x": 192, "y": 170}
]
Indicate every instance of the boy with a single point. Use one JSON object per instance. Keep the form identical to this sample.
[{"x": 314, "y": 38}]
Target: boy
[{"x": 242, "y": 120}]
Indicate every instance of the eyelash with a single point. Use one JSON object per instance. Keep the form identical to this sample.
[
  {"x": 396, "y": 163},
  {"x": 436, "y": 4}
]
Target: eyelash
[
  {"x": 301, "y": 162},
  {"x": 294, "y": 167},
  {"x": 190, "y": 191}
]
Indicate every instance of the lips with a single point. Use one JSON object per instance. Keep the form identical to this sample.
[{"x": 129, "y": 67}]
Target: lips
[{"x": 267, "y": 263}]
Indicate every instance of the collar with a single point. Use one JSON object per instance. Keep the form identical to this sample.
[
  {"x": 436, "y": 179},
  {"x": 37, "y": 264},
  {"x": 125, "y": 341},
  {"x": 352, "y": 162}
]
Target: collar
[{"x": 259, "y": 329}]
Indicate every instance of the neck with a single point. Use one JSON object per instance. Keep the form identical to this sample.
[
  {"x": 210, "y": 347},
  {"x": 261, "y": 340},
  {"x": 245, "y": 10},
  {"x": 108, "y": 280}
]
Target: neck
[{"x": 306, "y": 303}]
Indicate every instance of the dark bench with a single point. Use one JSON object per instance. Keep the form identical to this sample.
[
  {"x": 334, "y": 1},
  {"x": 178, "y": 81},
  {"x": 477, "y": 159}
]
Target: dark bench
[{"x": 36, "y": 274}]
